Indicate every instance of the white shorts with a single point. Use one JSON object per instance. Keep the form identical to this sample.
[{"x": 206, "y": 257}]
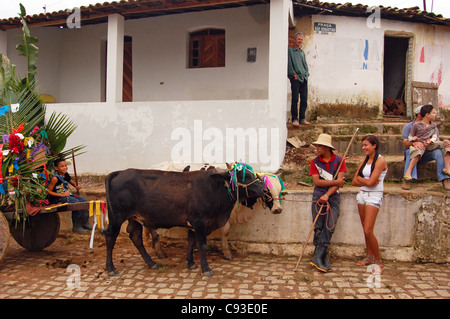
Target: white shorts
[{"x": 370, "y": 198}]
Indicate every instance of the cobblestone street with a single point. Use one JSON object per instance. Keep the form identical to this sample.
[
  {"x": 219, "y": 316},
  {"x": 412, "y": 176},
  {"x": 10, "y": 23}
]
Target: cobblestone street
[{"x": 69, "y": 269}]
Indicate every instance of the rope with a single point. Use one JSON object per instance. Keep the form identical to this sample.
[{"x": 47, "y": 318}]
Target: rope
[
  {"x": 234, "y": 182},
  {"x": 318, "y": 205}
]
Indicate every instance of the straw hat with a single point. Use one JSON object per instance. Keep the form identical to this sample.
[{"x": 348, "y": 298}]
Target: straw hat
[{"x": 325, "y": 140}]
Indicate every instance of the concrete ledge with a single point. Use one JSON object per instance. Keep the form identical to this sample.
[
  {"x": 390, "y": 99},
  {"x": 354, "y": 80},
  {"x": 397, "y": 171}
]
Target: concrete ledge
[{"x": 411, "y": 225}]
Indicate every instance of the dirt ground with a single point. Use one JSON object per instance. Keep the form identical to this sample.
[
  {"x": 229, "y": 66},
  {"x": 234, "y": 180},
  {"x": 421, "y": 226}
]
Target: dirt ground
[{"x": 43, "y": 274}]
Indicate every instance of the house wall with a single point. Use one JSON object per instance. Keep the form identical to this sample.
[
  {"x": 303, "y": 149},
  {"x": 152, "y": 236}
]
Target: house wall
[
  {"x": 213, "y": 115},
  {"x": 71, "y": 64},
  {"x": 164, "y": 58},
  {"x": 152, "y": 134},
  {"x": 3, "y": 42},
  {"x": 68, "y": 65},
  {"x": 346, "y": 66}
]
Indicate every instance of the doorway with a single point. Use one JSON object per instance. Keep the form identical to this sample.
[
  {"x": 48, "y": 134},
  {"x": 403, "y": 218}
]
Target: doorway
[{"x": 396, "y": 75}]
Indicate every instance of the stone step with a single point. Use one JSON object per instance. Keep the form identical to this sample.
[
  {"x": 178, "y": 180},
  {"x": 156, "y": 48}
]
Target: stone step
[
  {"x": 390, "y": 144},
  {"x": 396, "y": 164},
  {"x": 389, "y": 135},
  {"x": 94, "y": 188},
  {"x": 377, "y": 126}
]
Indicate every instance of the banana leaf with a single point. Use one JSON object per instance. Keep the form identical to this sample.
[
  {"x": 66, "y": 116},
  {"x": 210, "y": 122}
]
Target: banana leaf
[
  {"x": 24, "y": 167},
  {"x": 27, "y": 48}
]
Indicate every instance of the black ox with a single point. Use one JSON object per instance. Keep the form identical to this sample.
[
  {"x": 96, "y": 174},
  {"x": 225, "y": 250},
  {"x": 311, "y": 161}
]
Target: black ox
[{"x": 201, "y": 201}]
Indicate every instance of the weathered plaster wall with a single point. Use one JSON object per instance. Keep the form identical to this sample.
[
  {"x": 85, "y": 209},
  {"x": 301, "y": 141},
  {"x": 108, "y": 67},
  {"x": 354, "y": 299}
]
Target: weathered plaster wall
[
  {"x": 71, "y": 64},
  {"x": 409, "y": 227},
  {"x": 346, "y": 66},
  {"x": 144, "y": 134}
]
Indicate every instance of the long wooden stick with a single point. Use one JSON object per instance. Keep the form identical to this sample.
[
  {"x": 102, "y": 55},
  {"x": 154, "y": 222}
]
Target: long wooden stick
[
  {"x": 75, "y": 172},
  {"x": 318, "y": 214}
]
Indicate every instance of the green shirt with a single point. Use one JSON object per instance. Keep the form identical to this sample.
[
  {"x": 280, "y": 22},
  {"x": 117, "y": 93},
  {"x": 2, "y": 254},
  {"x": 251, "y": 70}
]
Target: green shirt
[{"x": 297, "y": 64}]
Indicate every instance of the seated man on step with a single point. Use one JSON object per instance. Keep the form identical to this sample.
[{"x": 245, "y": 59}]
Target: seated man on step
[{"x": 435, "y": 155}]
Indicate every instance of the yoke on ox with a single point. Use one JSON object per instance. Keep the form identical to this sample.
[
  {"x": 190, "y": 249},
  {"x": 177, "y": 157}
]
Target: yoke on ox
[{"x": 201, "y": 201}]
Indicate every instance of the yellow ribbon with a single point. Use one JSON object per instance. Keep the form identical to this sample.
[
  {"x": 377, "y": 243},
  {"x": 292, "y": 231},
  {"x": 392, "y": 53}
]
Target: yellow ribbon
[
  {"x": 99, "y": 213},
  {"x": 95, "y": 205},
  {"x": 91, "y": 208}
]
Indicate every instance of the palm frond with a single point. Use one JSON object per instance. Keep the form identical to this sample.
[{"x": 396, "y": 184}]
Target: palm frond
[
  {"x": 59, "y": 127},
  {"x": 26, "y": 135}
]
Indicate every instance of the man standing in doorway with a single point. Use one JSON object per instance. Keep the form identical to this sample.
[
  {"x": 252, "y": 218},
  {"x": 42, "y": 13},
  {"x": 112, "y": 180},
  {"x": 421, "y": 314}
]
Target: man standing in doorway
[{"x": 298, "y": 75}]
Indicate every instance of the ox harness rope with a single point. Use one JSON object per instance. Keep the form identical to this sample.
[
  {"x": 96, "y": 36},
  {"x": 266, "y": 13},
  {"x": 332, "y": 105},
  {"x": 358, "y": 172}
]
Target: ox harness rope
[
  {"x": 235, "y": 184},
  {"x": 318, "y": 209},
  {"x": 267, "y": 184}
]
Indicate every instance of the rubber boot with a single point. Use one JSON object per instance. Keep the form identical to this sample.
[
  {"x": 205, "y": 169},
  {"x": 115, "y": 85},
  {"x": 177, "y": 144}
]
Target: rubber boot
[
  {"x": 84, "y": 218},
  {"x": 316, "y": 261},
  {"x": 326, "y": 261},
  {"x": 77, "y": 223}
]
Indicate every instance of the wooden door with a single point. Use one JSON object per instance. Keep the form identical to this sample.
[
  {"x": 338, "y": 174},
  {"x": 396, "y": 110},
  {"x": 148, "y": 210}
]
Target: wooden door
[{"x": 127, "y": 94}]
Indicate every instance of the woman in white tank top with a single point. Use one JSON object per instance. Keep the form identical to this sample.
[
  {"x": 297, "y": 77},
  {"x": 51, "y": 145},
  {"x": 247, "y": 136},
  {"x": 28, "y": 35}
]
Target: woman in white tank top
[{"x": 370, "y": 176}]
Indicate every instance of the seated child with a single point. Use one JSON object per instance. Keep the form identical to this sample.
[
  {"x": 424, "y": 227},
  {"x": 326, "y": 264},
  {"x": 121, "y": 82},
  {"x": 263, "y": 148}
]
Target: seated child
[
  {"x": 426, "y": 133},
  {"x": 58, "y": 192}
]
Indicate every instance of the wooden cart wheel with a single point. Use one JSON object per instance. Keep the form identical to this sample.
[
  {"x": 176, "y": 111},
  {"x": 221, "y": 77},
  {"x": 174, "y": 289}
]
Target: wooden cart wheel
[
  {"x": 4, "y": 235},
  {"x": 39, "y": 233}
]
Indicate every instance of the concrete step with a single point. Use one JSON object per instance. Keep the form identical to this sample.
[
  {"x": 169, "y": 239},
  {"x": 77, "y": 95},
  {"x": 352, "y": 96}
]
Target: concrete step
[
  {"x": 389, "y": 135},
  {"x": 426, "y": 171},
  {"x": 93, "y": 187},
  {"x": 377, "y": 126},
  {"x": 396, "y": 165}
]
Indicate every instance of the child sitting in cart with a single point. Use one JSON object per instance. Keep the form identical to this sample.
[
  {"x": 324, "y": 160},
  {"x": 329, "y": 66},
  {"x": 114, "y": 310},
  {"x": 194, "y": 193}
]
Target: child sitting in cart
[{"x": 58, "y": 192}]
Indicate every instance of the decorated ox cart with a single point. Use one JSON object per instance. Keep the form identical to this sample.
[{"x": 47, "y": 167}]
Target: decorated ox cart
[
  {"x": 38, "y": 231},
  {"x": 29, "y": 145}
]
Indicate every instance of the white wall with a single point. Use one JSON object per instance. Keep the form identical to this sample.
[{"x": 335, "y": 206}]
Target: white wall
[
  {"x": 71, "y": 61},
  {"x": 3, "y": 42},
  {"x": 336, "y": 59},
  {"x": 139, "y": 134},
  {"x": 160, "y": 54},
  {"x": 145, "y": 134}
]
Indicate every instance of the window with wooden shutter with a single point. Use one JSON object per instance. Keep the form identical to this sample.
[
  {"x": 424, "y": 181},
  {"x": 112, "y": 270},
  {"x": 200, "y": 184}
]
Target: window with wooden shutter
[{"x": 207, "y": 48}]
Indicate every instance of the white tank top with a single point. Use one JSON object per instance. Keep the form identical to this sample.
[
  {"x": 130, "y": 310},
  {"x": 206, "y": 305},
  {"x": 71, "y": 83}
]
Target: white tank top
[{"x": 366, "y": 173}]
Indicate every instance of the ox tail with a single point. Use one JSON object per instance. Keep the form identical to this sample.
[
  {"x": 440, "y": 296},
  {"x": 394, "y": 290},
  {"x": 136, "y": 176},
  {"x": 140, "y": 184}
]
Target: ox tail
[{"x": 111, "y": 215}]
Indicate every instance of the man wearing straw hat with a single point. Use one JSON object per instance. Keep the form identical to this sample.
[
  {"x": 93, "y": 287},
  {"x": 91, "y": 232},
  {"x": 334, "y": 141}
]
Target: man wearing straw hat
[{"x": 326, "y": 198}]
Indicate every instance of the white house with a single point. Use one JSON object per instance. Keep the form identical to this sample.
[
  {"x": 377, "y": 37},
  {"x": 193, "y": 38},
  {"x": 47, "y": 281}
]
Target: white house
[
  {"x": 181, "y": 106},
  {"x": 359, "y": 56},
  {"x": 205, "y": 81}
]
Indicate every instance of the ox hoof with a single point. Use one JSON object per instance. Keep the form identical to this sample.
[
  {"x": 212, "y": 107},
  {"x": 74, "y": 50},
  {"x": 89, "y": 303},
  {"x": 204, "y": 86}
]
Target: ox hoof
[
  {"x": 154, "y": 266},
  {"x": 228, "y": 257},
  {"x": 113, "y": 273},
  {"x": 208, "y": 273},
  {"x": 192, "y": 267}
]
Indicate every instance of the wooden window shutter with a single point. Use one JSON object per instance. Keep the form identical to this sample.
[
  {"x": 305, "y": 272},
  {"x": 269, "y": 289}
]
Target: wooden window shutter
[{"x": 207, "y": 49}]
